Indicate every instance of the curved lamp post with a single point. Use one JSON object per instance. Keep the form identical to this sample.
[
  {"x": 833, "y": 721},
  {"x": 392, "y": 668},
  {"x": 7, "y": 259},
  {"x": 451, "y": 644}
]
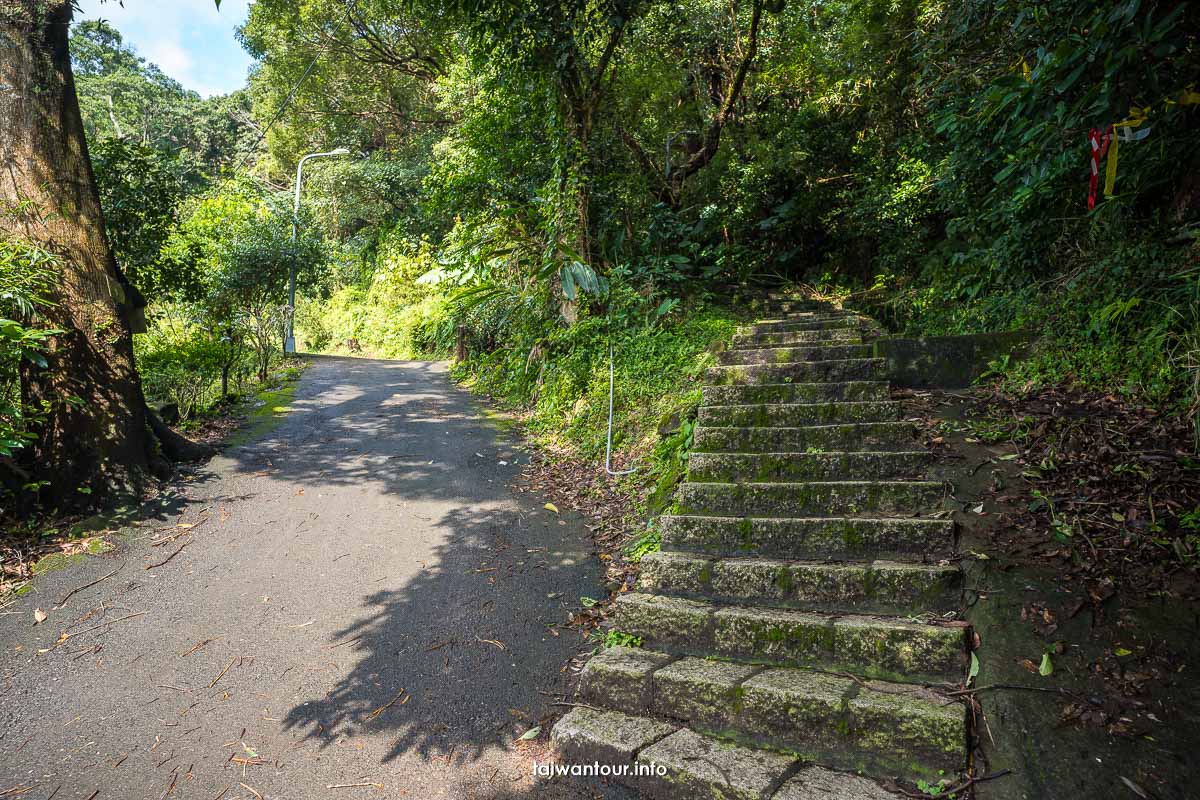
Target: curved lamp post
[{"x": 289, "y": 343}]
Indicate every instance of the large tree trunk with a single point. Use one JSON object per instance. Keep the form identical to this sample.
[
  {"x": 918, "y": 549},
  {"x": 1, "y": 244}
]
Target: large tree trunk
[{"x": 96, "y": 437}]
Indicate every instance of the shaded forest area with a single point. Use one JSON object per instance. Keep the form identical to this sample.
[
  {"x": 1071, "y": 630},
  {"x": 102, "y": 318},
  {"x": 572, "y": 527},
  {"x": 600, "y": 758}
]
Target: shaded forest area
[{"x": 542, "y": 179}]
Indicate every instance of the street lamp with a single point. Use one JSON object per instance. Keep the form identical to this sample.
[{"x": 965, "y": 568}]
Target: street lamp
[{"x": 289, "y": 343}]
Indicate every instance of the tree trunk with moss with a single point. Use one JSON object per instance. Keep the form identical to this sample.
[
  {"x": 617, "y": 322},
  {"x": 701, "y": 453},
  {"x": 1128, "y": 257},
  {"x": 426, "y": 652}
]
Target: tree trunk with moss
[{"x": 97, "y": 436}]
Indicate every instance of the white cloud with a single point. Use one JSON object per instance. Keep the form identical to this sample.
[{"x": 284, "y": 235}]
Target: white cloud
[
  {"x": 190, "y": 40},
  {"x": 170, "y": 57}
]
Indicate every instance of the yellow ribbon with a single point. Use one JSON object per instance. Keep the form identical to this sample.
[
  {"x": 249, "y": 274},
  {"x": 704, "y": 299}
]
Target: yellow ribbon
[
  {"x": 1136, "y": 117},
  {"x": 1187, "y": 97}
]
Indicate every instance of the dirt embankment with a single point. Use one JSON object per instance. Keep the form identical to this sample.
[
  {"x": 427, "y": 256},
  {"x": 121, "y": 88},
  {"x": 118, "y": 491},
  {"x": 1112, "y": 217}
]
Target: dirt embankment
[{"x": 1080, "y": 527}]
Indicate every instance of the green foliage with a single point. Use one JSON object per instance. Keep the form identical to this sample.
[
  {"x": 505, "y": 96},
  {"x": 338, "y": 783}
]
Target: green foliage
[
  {"x": 648, "y": 542},
  {"x": 393, "y": 316},
  {"x": 615, "y": 638},
  {"x": 27, "y": 275},
  {"x": 926, "y": 160},
  {"x": 522, "y": 355},
  {"x": 938, "y": 789},
  {"x": 139, "y": 193},
  {"x": 235, "y": 242},
  {"x": 180, "y": 362}
]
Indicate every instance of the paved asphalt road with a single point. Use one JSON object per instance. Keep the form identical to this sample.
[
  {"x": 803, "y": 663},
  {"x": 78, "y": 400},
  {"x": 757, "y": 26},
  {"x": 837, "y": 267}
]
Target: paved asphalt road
[{"x": 363, "y": 600}]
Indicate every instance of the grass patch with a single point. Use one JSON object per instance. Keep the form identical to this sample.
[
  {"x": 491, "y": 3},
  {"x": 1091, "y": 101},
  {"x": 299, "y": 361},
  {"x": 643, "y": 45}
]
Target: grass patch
[
  {"x": 267, "y": 409},
  {"x": 52, "y": 562}
]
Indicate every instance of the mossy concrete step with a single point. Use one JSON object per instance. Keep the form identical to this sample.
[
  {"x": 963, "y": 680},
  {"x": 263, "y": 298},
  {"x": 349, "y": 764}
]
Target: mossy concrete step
[
  {"x": 878, "y": 587},
  {"x": 818, "y": 537},
  {"x": 850, "y": 391},
  {"x": 796, "y": 296},
  {"x": 789, "y": 355},
  {"x": 875, "y": 647},
  {"x": 667, "y": 762},
  {"x": 796, "y": 306},
  {"x": 879, "y": 728},
  {"x": 760, "y": 467},
  {"x": 858, "y": 436},
  {"x": 839, "y": 335},
  {"x": 795, "y": 415},
  {"x": 831, "y": 370},
  {"x": 845, "y": 321},
  {"x": 812, "y": 499}
]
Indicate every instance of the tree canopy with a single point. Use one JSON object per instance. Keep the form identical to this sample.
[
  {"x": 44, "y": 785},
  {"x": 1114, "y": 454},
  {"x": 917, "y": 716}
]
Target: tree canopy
[{"x": 524, "y": 171}]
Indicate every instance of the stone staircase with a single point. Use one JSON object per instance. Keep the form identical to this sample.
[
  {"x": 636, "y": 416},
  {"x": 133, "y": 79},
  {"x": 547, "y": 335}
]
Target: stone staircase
[{"x": 793, "y": 625}]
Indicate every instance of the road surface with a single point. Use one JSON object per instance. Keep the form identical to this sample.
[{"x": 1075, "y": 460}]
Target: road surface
[{"x": 363, "y": 600}]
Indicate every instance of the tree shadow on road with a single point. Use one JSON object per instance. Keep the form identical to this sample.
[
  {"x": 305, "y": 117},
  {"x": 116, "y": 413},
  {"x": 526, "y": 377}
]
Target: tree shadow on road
[{"x": 471, "y": 648}]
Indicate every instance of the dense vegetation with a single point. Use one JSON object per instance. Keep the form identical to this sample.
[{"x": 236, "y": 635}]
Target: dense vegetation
[
  {"x": 568, "y": 169},
  {"x": 544, "y": 178}
]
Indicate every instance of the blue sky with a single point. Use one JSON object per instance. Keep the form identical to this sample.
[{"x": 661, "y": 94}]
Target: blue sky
[{"x": 188, "y": 39}]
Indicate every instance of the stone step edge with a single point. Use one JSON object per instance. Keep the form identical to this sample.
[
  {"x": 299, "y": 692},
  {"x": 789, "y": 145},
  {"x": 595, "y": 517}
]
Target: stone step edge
[
  {"x": 765, "y": 434},
  {"x": 813, "y": 363},
  {"x": 697, "y": 766},
  {"x": 803, "y": 324},
  {"x": 835, "y": 412},
  {"x": 894, "y": 455},
  {"x": 800, "y": 315},
  {"x": 775, "y": 466},
  {"x": 820, "y": 344},
  {"x": 847, "y": 369},
  {"x": 854, "y": 383},
  {"x": 826, "y": 717},
  {"x": 896, "y": 423},
  {"x": 733, "y": 488},
  {"x": 784, "y": 498},
  {"x": 875, "y": 646},
  {"x": 824, "y": 384},
  {"x": 755, "y": 535},
  {"x": 801, "y": 354},
  {"x": 819, "y": 404},
  {"x": 879, "y": 586}
]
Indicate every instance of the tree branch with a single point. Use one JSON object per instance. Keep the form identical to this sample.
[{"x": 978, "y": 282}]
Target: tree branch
[
  {"x": 712, "y": 136},
  {"x": 647, "y": 162}
]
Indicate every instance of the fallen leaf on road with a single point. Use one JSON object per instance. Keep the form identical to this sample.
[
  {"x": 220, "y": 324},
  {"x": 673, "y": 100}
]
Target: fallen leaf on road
[
  {"x": 39, "y": 616},
  {"x": 532, "y": 733},
  {"x": 551, "y": 507}
]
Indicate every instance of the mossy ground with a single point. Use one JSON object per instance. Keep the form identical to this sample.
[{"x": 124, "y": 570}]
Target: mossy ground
[
  {"x": 267, "y": 410},
  {"x": 52, "y": 562}
]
